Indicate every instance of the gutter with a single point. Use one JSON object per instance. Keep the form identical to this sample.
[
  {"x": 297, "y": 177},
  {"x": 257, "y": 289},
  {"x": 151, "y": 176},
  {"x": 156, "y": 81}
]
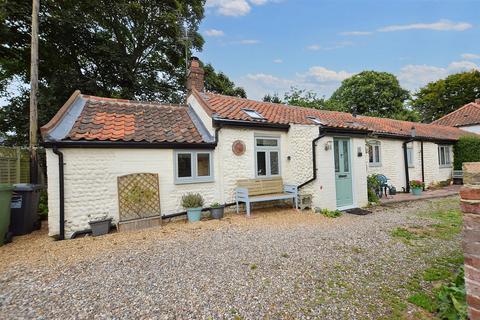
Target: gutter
[
  {"x": 423, "y": 165},
  {"x": 61, "y": 182},
  {"x": 321, "y": 134},
  {"x": 129, "y": 144},
  {"x": 250, "y": 124},
  {"x": 405, "y": 160}
]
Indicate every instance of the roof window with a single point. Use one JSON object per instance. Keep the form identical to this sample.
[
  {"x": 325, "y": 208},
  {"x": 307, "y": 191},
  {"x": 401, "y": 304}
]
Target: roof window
[
  {"x": 315, "y": 120},
  {"x": 253, "y": 114}
]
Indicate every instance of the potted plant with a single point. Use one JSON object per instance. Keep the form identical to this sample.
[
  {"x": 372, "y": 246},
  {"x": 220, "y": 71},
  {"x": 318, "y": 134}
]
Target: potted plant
[
  {"x": 100, "y": 225},
  {"x": 193, "y": 203},
  {"x": 216, "y": 210},
  {"x": 416, "y": 186}
]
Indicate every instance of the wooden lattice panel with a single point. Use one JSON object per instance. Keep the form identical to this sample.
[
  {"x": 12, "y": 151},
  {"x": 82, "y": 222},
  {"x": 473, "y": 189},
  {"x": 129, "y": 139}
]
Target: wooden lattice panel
[{"x": 138, "y": 196}]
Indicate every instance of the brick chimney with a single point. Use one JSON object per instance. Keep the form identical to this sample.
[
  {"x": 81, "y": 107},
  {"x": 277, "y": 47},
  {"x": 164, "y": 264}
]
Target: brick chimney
[
  {"x": 196, "y": 76},
  {"x": 470, "y": 204}
]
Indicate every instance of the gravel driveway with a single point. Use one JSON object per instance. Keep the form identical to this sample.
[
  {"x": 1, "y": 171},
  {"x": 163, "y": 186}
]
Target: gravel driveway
[{"x": 279, "y": 264}]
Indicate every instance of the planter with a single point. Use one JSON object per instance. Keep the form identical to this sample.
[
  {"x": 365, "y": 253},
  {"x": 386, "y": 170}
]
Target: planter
[
  {"x": 194, "y": 214},
  {"x": 100, "y": 227},
  {"x": 217, "y": 212},
  {"x": 417, "y": 191}
]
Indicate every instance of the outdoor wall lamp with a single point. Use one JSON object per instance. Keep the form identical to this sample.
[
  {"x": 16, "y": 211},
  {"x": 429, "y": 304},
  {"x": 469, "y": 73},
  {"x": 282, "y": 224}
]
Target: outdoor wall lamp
[
  {"x": 359, "y": 152},
  {"x": 328, "y": 145}
]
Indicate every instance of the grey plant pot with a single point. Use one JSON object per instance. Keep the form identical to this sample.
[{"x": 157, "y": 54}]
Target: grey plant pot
[
  {"x": 217, "y": 212},
  {"x": 100, "y": 227}
]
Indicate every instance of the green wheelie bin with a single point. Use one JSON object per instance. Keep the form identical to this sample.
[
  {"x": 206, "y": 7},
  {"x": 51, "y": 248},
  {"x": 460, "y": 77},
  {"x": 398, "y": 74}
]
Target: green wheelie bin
[{"x": 5, "y": 198}]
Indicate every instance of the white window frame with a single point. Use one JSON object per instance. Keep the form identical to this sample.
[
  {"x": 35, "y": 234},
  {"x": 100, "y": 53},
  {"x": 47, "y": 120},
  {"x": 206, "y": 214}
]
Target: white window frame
[
  {"x": 194, "y": 178},
  {"x": 267, "y": 150},
  {"x": 411, "y": 148},
  {"x": 447, "y": 149},
  {"x": 376, "y": 162}
]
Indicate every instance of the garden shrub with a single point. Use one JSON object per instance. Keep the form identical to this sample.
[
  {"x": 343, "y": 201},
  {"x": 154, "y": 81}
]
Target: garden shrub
[
  {"x": 467, "y": 149},
  {"x": 331, "y": 213},
  {"x": 373, "y": 185},
  {"x": 451, "y": 299}
]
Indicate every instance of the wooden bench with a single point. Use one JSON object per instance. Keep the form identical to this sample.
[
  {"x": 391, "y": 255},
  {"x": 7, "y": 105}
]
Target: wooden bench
[{"x": 260, "y": 190}]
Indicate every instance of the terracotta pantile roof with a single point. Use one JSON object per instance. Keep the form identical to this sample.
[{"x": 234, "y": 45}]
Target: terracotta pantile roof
[
  {"x": 469, "y": 114},
  {"x": 105, "y": 119},
  {"x": 231, "y": 108}
]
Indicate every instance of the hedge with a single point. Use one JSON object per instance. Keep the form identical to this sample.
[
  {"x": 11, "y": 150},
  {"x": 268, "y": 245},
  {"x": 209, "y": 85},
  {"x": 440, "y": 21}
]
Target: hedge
[{"x": 467, "y": 149}]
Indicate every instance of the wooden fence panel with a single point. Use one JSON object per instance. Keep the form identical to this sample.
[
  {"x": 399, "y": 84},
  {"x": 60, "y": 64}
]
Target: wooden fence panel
[{"x": 14, "y": 165}]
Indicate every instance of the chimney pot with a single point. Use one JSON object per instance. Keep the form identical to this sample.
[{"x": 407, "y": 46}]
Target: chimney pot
[
  {"x": 477, "y": 101},
  {"x": 196, "y": 76}
]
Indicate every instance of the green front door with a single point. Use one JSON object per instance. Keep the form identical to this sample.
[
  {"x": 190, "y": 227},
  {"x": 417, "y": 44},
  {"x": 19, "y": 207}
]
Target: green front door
[{"x": 343, "y": 172}]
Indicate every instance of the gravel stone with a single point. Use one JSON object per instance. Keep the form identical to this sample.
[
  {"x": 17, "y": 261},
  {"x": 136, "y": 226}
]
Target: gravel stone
[{"x": 278, "y": 264}]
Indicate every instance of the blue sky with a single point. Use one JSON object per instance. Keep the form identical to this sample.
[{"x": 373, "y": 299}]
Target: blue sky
[{"x": 267, "y": 46}]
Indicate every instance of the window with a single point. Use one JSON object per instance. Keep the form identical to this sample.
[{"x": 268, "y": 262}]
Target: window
[
  {"x": 267, "y": 156},
  {"x": 193, "y": 166},
  {"x": 374, "y": 154},
  {"x": 253, "y": 114},
  {"x": 444, "y": 158},
  {"x": 410, "y": 155},
  {"x": 315, "y": 120}
]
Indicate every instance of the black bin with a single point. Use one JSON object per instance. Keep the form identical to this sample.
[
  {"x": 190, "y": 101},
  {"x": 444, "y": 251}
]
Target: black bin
[{"x": 24, "y": 216}]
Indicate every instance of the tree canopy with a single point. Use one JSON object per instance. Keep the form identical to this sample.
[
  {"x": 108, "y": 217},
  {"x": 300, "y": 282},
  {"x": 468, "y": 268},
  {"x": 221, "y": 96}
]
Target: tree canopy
[
  {"x": 372, "y": 93},
  {"x": 218, "y": 82},
  {"x": 441, "y": 97},
  {"x": 127, "y": 49},
  {"x": 298, "y": 97}
]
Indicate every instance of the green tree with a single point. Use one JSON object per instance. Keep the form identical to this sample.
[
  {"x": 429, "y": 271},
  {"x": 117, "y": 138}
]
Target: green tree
[
  {"x": 273, "y": 98},
  {"x": 303, "y": 98},
  {"x": 126, "y": 48},
  {"x": 441, "y": 97},
  {"x": 372, "y": 93},
  {"x": 218, "y": 82}
]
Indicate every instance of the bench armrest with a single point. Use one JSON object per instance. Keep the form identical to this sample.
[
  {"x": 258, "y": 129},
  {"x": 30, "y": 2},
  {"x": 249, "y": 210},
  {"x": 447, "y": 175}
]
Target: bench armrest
[
  {"x": 241, "y": 193},
  {"x": 290, "y": 188}
]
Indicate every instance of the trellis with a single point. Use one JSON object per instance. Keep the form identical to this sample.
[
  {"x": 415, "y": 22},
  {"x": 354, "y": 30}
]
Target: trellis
[
  {"x": 138, "y": 196},
  {"x": 14, "y": 165}
]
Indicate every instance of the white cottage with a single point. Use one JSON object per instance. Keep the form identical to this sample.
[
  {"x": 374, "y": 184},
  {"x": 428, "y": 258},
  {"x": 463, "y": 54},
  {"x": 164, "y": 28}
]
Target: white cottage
[{"x": 213, "y": 141}]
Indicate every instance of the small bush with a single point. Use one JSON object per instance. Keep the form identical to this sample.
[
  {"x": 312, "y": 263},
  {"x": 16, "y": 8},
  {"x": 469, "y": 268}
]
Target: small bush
[
  {"x": 467, "y": 149},
  {"x": 43, "y": 205},
  {"x": 373, "y": 185},
  {"x": 331, "y": 213},
  {"x": 452, "y": 299},
  {"x": 192, "y": 200},
  {"x": 416, "y": 184},
  {"x": 216, "y": 205}
]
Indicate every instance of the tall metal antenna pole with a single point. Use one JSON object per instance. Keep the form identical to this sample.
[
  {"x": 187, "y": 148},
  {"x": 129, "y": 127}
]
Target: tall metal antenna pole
[{"x": 186, "y": 49}]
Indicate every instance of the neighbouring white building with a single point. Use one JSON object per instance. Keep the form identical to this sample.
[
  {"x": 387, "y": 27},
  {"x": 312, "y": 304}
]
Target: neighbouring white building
[
  {"x": 466, "y": 118},
  {"x": 213, "y": 141}
]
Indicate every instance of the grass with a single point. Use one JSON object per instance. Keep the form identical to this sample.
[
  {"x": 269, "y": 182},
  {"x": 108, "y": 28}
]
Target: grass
[{"x": 437, "y": 289}]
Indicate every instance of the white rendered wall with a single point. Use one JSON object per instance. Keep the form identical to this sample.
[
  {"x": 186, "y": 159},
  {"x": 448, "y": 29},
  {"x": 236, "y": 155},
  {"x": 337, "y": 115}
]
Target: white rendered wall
[{"x": 474, "y": 128}]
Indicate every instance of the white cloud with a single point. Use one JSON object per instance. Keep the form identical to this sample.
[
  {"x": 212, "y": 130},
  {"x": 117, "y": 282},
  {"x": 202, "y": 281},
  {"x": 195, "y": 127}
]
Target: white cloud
[
  {"x": 317, "y": 78},
  {"x": 247, "y": 41},
  {"x": 229, "y": 7},
  {"x": 214, "y": 33},
  {"x": 258, "y": 2},
  {"x": 442, "y": 25},
  {"x": 413, "y": 77},
  {"x": 337, "y": 45},
  {"x": 234, "y": 8},
  {"x": 278, "y": 61},
  {"x": 356, "y": 33},
  {"x": 470, "y": 56},
  {"x": 314, "y": 47},
  {"x": 324, "y": 75}
]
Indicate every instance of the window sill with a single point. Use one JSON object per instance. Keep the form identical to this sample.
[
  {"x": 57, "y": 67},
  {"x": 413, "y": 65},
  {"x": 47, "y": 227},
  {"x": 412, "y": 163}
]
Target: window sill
[
  {"x": 268, "y": 177},
  {"x": 445, "y": 166},
  {"x": 375, "y": 165},
  {"x": 194, "y": 181}
]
